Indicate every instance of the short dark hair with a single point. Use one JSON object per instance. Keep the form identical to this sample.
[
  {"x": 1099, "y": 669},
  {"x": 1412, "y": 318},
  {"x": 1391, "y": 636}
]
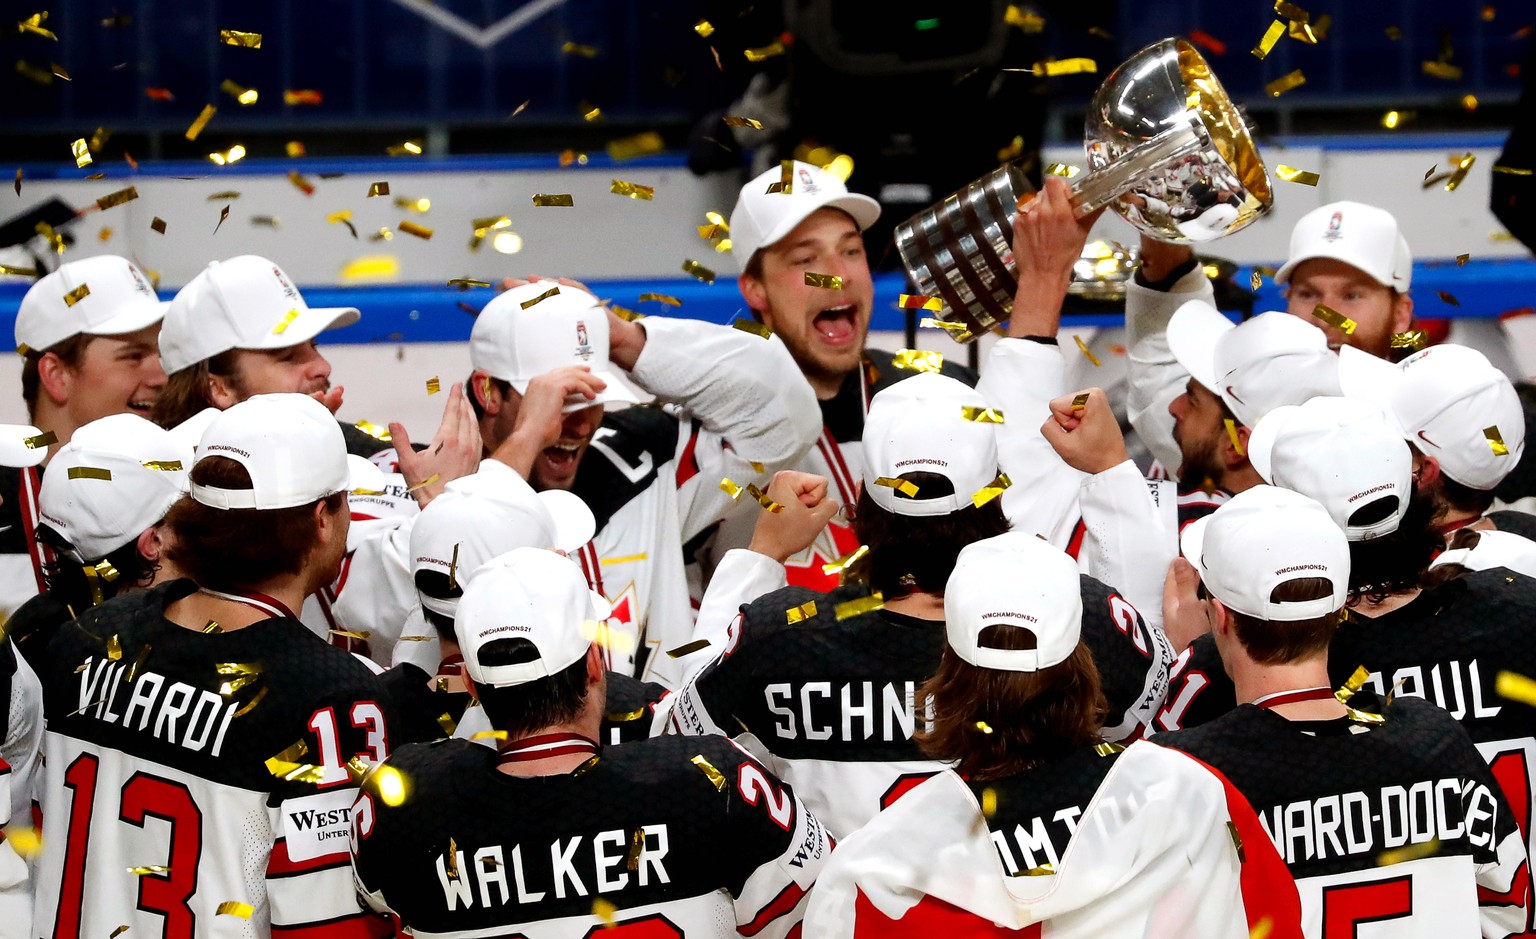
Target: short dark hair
[
  {"x": 1397, "y": 561},
  {"x": 1464, "y": 498},
  {"x": 505, "y": 387},
  {"x": 521, "y": 709},
  {"x": 70, "y": 352},
  {"x": 186, "y": 392},
  {"x": 908, "y": 553},
  {"x": 234, "y": 549},
  {"x": 993, "y": 723},
  {"x": 66, "y": 576},
  {"x": 435, "y": 584},
  {"x": 1276, "y": 642}
]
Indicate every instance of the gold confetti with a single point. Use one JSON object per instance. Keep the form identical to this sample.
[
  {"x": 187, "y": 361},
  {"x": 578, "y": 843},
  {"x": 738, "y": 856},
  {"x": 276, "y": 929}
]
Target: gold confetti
[
  {"x": 235, "y": 908},
  {"x": 918, "y": 360},
  {"x": 294, "y": 148},
  {"x": 636, "y": 847},
  {"x": 19, "y": 272},
  {"x": 1302, "y": 32},
  {"x": 699, "y": 271},
  {"x": 1108, "y": 749},
  {"x": 89, "y": 472},
  {"x": 25, "y": 841},
  {"x": 373, "y": 430},
  {"x": 605, "y": 910},
  {"x": 1412, "y": 852},
  {"x": 904, "y": 486},
  {"x": 1497, "y": 168},
  {"x": 234, "y": 37},
  {"x": 991, "y": 491},
  {"x": 786, "y": 183},
  {"x": 1255, "y": 280},
  {"x": 1237, "y": 442},
  {"x": 464, "y": 283},
  {"x": 283, "y": 323},
  {"x": 1027, "y": 20},
  {"x": 358, "y": 634},
  {"x": 715, "y": 777},
  {"x": 859, "y": 607},
  {"x": 576, "y": 48},
  {"x": 590, "y": 112},
  {"x": 1237, "y": 842},
  {"x": 1462, "y": 259},
  {"x": 411, "y": 228},
  {"x": 555, "y": 199},
  {"x": 981, "y": 415},
  {"x": 984, "y": 727},
  {"x": 763, "y": 53},
  {"x": 1053, "y": 67},
  {"x": 1271, "y": 36},
  {"x": 1463, "y": 165},
  {"x": 1080, "y": 402},
  {"x": 201, "y": 121},
  {"x": 1414, "y": 339},
  {"x": 113, "y": 199},
  {"x": 499, "y": 735},
  {"x": 411, "y": 147},
  {"x": 232, "y": 155},
  {"x": 45, "y": 439},
  {"x": 78, "y": 294},
  {"x": 433, "y": 387},
  {"x": 1443, "y": 70},
  {"x": 687, "y": 648},
  {"x": 743, "y": 122},
  {"x": 1335, "y": 319},
  {"x": 704, "y": 28},
  {"x": 1448, "y": 298},
  {"x": 298, "y": 96},
  {"x": 988, "y": 802},
  {"x": 236, "y": 675},
  {"x": 847, "y": 561},
  {"x": 1041, "y": 871},
  {"x": 82, "y": 153},
  {"x": 139, "y": 660},
  {"x": 829, "y": 281},
  {"x": 265, "y": 221},
  {"x": 239, "y": 92},
  {"x": 750, "y": 326},
  {"x": 1392, "y": 119},
  {"x": 551, "y": 292},
  {"x": 123, "y": 928},
  {"x": 633, "y": 190},
  {"x": 731, "y": 489},
  {"x": 910, "y": 301},
  {"x": 453, "y": 859},
  {"x": 638, "y": 145},
  {"x": 378, "y": 189},
  {"x": 144, "y": 871},
  {"x": 624, "y": 313},
  {"x": 1064, "y": 170},
  {"x": 673, "y": 301},
  {"x": 803, "y": 612},
  {"x": 1083, "y": 348},
  {"x": 1495, "y": 441},
  {"x": 1293, "y": 175},
  {"x": 1515, "y": 687},
  {"x": 762, "y": 498},
  {"x": 1285, "y": 83}
]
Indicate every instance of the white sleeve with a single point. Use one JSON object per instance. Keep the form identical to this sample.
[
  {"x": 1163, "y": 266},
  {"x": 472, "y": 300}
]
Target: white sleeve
[
  {"x": 1155, "y": 377},
  {"x": 22, "y": 752},
  {"x": 1126, "y": 541},
  {"x": 741, "y": 577},
  {"x": 374, "y": 593},
  {"x": 1020, "y": 379}
]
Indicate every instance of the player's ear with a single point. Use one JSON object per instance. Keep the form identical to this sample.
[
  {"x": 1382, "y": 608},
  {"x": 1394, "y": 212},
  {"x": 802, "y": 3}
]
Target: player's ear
[
  {"x": 1221, "y": 617},
  {"x": 1236, "y": 450},
  {"x": 1428, "y": 474}
]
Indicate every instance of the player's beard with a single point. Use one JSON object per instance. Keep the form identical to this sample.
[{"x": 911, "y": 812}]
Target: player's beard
[{"x": 1200, "y": 463}]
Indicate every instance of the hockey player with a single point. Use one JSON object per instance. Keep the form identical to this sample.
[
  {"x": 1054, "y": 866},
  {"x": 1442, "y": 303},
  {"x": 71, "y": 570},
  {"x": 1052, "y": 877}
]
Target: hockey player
[
  {"x": 822, "y": 684},
  {"x": 1381, "y": 807},
  {"x": 553, "y": 834},
  {"x": 734, "y": 408},
  {"x": 1041, "y": 826},
  {"x": 198, "y": 734}
]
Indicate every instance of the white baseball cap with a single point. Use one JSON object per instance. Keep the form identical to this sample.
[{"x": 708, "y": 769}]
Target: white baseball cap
[
  {"x": 1263, "y": 363},
  {"x": 1451, "y": 403},
  {"x": 517, "y": 344},
  {"x": 761, "y": 217},
  {"x": 1016, "y": 580},
  {"x": 20, "y": 446},
  {"x": 532, "y": 594},
  {"x": 459, "y": 531},
  {"x": 918, "y": 425},
  {"x": 101, "y": 296},
  {"x": 1491, "y": 549},
  {"x": 1361, "y": 236},
  {"x": 1344, "y": 453},
  {"x": 1261, "y": 538},
  {"x": 246, "y": 302},
  {"x": 116, "y": 477},
  {"x": 291, "y": 446}
]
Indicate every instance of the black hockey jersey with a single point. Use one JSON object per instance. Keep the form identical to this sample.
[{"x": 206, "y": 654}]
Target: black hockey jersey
[
  {"x": 1199, "y": 690},
  {"x": 1032, "y": 816},
  {"x": 659, "y": 838},
  {"x": 830, "y": 704},
  {"x": 1395, "y": 821},
  {"x": 174, "y": 792}
]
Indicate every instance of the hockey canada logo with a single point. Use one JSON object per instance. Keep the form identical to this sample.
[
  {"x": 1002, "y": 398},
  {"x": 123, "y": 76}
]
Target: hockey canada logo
[
  {"x": 806, "y": 183},
  {"x": 288, "y": 289},
  {"x": 1335, "y": 227},
  {"x": 139, "y": 283},
  {"x": 583, "y": 345}
]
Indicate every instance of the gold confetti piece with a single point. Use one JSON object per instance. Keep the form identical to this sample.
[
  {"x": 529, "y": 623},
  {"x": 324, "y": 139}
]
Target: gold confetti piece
[
  {"x": 1302, "y": 32},
  {"x": 911, "y": 301},
  {"x": 294, "y": 148},
  {"x": 638, "y": 145},
  {"x": 236, "y": 675},
  {"x": 358, "y": 634},
  {"x": 1462, "y": 259},
  {"x": 1080, "y": 401},
  {"x": 699, "y": 271},
  {"x": 373, "y": 430},
  {"x": 113, "y": 199},
  {"x": 78, "y": 294},
  {"x": 1083, "y": 348},
  {"x": 81, "y": 152},
  {"x": 984, "y": 727},
  {"x": 1027, "y": 20},
  {"x": 1255, "y": 280},
  {"x": 45, "y": 439},
  {"x": 299, "y": 96},
  {"x": 551, "y": 292},
  {"x": 673, "y": 301},
  {"x": 1285, "y": 83},
  {"x": 1495, "y": 441},
  {"x": 139, "y": 660},
  {"x": 1443, "y": 70},
  {"x": 144, "y": 871},
  {"x": 378, "y": 189},
  {"x": 762, "y": 498},
  {"x": 499, "y": 735},
  {"x": 1041, "y": 871},
  {"x": 716, "y": 778},
  {"x": 743, "y": 122},
  {"x": 1053, "y": 67},
  {"x": 981, "y": 415},
  {"x": 410, "y": 147},
  {"x": 1237, "y": 842},
  {"x": 1448, "y": 298},
  {"x": 847, "y": 561},
  {"x": 803, "y": 612},
  {"x": 576, "y": 48},
  {"x": 710, "y": 232},
  {"x": 605, "y": 910},
  {"x": 704, "y": 28},
  {"x": 1335, "y": 319},
  {"x": 763, "y": 53},
  {"x": 283, "y": 323},
  {"x": 750, "y": 326},
  {"x": 624, "y": 313},
  {"x": 89, "y": 472},
  {"x": 687, "y": 648},
  {"x": 1108, "y": 749},
  {"x": 991, "y": 491},
  {"x": 859, "y": 607},
  {"x": 1463, "y": 165},
  {"x": 988, "y": 802},
  {"x": 464, "y": 283},
  {"x": 25, "y": 842},
  {"x": 240, "y": 93},
  {"x": 1237, "y": 442},
  {"x": 166, "y": 466},
  {"x": 1392, "y": 119},
  {"x": 1414, "y": 339},
  {"x": 919, "y": 360},
  {"x": 235, "y": 908},
  {"x": 1412, "y": 852},
  {"x": 829, "y": 281},
  {"x": 555, "y": 199},
  {"x": 220, "y": 196},
  {"x": 1291, "y": 11},
  {"x": 1293, "y": 175},
  {"x": 201, "y": 121},
  {"x": 1271, "y": 36},
  {"x": 623, "y": 559},
  {"x": 731, "y": 489},
  {"x": 633, "y": 190},
  {"x": 1063, "y": 170},
  {"x": 636, "y": 847},
  {"x": 786, "y": 183},
  {"x": 433, "y": 387},
  {"x": 904, "y": 486},
  {"x": 1497, "y": 168},
  {"x": 244, "y": 40},
  {"x": 265, "y": 221},
  {"x": 590, "y": 112},
  {"x": 1515, "y": 687},
  {"x": 123, "y": 928},
  {"x": 411, "y": 228}
]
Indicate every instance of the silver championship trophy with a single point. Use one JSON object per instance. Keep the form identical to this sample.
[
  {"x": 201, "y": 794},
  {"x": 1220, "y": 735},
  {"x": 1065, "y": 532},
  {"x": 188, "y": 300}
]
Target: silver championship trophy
[{"x": 1165, "y": 146}]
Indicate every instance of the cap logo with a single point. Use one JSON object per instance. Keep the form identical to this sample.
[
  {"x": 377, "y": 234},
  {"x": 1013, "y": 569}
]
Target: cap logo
[
  {"x": 1302, "y": 567},
  {"x": 1373, "y": 489},
  {"x": 583, "y": 345},
  {"x": 806, "y": 183},
  {"x": 288, "y": 289},
  {"x": 224, "y": 446},
  {"x": 1335, "y": 227},
  {"x": 1003, "y": 614},
  {"x": 139, "y": 283},
  {"x": 506, "y": 629},
  {"x": 921, "y": 462}
]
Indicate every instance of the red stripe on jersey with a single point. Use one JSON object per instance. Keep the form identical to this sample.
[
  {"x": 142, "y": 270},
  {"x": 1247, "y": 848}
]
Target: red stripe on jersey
[
  {"x": 833, "y": 454},
  {"x": 1518, "y": 894},
  {"x": 279, "y": 864},
  {"x": 688, "y": 464},
  {"x": 1076, "y": 544},
  {"x": 787, "y": 900},
  {"x": 356, "y": 926},
  {"x": 595, "y": 571},
  {"x": 929, "y": 918}
]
